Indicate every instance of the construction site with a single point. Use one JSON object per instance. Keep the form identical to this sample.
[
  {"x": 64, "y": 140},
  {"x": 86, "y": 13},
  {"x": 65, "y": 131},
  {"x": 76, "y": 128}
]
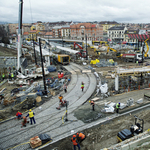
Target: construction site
[{"x": 109, "y": 78}]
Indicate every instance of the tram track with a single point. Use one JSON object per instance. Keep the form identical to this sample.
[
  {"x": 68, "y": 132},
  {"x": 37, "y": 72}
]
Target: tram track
[{"x": 51, "y": 117}]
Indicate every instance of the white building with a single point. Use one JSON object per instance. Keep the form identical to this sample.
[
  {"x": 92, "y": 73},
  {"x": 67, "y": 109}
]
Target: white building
[{"x": 116, "y": 33}]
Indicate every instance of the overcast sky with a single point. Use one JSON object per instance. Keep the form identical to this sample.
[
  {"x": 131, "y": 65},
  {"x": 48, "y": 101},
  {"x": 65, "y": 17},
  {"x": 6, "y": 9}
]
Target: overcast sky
[{"x": 133, "y": 11}]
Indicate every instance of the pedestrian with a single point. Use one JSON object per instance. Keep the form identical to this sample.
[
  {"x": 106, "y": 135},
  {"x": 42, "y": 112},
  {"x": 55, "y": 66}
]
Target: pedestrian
[
  {"x": 65, "y": 88},
  {"x": 82, "y": 86},
  {"x": 93, "y": 104},
  {"x": 81, "y": 137},
  {"x": 75, "y": 142},
  {"x": 31, "y": 116},
  {"x": 117, "y": 107},
  {"x": 19, "y": 115}
]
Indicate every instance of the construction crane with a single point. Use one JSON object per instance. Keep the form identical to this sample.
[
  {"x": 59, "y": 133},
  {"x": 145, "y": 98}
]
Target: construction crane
[{"x": 146, "y": 55}]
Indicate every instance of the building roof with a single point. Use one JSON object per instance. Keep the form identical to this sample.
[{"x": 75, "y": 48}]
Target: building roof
[
  {"x": 49, "y": 33},
  {"x": 25, "y": 33},
  {"x": 86, "y": 25},
  {"x": 131, "y": 32},
  {"x": 108, "y": 22},
  {"x": 117, "y": 28}
]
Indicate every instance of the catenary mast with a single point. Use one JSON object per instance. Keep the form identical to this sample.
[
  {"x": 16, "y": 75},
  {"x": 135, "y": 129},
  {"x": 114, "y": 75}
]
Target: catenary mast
[{"x": 20, "y": 35}]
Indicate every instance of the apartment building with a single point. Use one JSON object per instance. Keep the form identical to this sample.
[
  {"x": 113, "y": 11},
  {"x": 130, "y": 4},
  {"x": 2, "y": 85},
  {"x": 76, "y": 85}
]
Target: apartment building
[
  {"x": 57, "y": 32},
  {"x": 81, "y": 30},
  {"x": 116, "y": 33},
  {"x": 65, "y": 31}
]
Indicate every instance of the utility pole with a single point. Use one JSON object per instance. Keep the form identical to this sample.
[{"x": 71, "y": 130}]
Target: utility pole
[
  {"x": 62, "y": 42},
  {"x": 20, "y": 35},
  {"x": 45, "y": 90},
  {"x": 86, "y": 48},
  {"x": 34, "y": 53}
]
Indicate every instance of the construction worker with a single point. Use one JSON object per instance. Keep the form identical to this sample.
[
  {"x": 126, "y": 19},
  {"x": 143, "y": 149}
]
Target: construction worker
[
  {"x": 12, "y": 76},
  {"x": 24, "y": 122},
  {"x": 65, "y": 88},
  {"x": 80, "y": 137},
  {"x": 3, "y": 76},
  {"x": 9, "y": 76},
  {"x": 117, "y": 107},
  {"x": 82, "y": 86},
  {"x": 93, "y": 104},
  {"x": 75, "y": 142},
  {"x": 31, "y": 116},
  {"x": 19, "y": 115},
  {"x": 60, "y": 98}
]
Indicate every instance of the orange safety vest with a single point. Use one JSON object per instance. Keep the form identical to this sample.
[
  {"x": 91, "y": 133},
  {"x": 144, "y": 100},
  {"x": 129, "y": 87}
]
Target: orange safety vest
[
  {"x": 74, "y": 141},
  {"x": 81, "y": 135},
  {"x": 60, "y": 97}
]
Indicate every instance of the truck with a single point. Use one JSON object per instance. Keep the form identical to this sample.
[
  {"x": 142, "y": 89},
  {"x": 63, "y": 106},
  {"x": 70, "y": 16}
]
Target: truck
[{"x": 132, "y": 57}]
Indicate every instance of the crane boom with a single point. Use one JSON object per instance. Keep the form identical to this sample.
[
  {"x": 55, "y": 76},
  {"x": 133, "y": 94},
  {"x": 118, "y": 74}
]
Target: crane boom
[{"x": 145, "y": 55}]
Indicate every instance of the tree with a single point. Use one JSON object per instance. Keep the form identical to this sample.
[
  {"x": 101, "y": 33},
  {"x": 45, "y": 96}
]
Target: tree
[{"x": 3, "y": 35}]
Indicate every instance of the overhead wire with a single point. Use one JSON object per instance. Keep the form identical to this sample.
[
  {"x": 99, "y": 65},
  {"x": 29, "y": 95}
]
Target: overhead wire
[{"x": 31, "y": 11}]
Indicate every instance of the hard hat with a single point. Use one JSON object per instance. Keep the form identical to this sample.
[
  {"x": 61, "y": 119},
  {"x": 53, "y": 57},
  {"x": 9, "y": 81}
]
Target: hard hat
[
  {"x": 59, "y": 95},
  {"x": 119, "y": 103},
  {"x": 74, "y": 135},
  {"x": 30, "y": 110},
  {"x": 89, "y": 101}
]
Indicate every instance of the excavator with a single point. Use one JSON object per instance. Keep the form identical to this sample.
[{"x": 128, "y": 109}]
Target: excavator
[
  {"x": 146, "y": 55},
  {"x": 82, "y": 52},
  {"x": 118, "y": 54}
]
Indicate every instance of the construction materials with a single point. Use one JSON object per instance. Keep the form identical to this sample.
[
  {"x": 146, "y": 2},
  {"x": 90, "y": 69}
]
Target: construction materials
[
  {"x": 134, "y": 130},
  {"x": 35, "y": 142},
  {"x": 45, "y": 138}
]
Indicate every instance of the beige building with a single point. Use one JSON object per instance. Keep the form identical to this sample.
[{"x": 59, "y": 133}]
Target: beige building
[
  {"x": 38, "y": 26},
  {"x": 108, "y": 24},
  {"x": 65, "y": 31}
]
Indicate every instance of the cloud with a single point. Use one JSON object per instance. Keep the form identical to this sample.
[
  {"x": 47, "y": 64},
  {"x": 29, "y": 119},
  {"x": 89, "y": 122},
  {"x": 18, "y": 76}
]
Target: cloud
[{"x": 76, "y": 10}]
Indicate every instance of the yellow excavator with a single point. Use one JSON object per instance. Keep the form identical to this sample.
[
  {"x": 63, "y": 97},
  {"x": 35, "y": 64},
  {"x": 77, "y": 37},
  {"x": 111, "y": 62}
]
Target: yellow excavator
[
  {"x": 117, "y": 55},
  {"x": 146, "y": 55}
]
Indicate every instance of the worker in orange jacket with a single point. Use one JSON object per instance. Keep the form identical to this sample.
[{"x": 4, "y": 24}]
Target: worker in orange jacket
[
  {"x": 75, "y": 142},
  {"x": 80, "y": 137},
  {"x": 24, "y": 122},
  {"x": 93, "y": 104}
]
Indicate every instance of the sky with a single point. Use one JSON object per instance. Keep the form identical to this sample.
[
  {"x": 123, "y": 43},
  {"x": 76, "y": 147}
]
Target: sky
[{"x": 126, "y": 11}]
